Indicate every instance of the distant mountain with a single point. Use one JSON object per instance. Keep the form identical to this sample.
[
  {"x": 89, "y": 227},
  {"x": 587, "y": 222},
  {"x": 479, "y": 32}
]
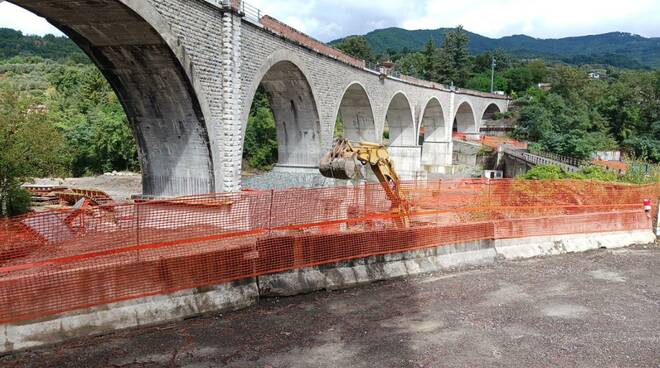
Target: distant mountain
[
  {"x": 15, "y": 43},
  {"x": 615, "y": 48}
]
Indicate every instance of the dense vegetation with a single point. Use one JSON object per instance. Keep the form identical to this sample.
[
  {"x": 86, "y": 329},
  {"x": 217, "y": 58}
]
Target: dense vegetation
[
  {"x": 637, "y": 174},
  {"x": 78, "y": 102},
  {"x": 56, "y": 119},
  {"x": 579, "y": 116},
  {"x": 260, "y": 146},
  {"x": 618, "y": 49}
]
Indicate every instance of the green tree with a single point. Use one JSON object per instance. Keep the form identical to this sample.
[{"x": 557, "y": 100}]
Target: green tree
[
  {"x": 454, "y": 60},
  {"x": 31, "y": 146},
  {"x": 645, "y": 146},
  {"x": 357, "y": 47},
  {"x": 519, "y": 79},
  {"x": 539, "y": 71},
  {"x": 481, "y": 82},
  {"x": 412, "y": 64},
  {"x": 430, "y": 61},
  {"x": 482, "y": 62},
  {"x": 260, "y": 145},
  {"x": 563, "y": 126},
  {"x": 84, "y": 107},
  {"x": 568, "y": 81}
]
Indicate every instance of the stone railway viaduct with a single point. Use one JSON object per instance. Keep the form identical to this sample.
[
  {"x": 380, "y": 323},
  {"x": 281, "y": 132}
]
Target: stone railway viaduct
[{"x": 186, "y": 72}]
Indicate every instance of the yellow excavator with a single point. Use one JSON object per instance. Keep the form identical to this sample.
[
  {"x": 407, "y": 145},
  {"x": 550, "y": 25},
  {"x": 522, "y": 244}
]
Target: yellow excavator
[{"x": 346, "y": 159}]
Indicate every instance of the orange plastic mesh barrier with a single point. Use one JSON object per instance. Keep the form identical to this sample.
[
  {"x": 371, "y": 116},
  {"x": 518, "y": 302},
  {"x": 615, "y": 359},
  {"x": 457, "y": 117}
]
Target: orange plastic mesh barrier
[
  {"x": 489, "y": 140},
  {"x": 66, "y": 260}
]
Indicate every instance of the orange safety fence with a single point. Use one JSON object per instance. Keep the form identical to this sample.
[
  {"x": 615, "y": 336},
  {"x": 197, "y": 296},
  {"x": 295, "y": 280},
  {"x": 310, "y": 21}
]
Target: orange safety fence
[
  {"x": 66, "y": 260},
  {"x": 493, "y": 142}
]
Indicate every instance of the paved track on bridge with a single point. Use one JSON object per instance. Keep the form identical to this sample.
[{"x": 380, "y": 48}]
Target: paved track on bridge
[{"x": 596, "y": 309}]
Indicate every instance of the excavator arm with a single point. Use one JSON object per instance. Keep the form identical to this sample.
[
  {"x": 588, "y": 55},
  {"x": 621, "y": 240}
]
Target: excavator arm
[{"x": 345, "y": 160}]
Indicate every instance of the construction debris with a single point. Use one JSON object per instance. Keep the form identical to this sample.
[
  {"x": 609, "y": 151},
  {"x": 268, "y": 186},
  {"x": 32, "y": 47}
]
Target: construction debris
[{"x": 65, "y": 197}]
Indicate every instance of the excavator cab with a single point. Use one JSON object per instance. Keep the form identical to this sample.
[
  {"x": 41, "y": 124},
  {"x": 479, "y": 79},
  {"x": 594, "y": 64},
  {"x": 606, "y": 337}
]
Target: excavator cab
[{"x": 346, "y": 161}]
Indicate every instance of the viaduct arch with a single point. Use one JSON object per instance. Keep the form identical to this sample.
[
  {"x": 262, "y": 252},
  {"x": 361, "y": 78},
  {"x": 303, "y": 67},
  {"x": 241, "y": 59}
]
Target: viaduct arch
[
  {"x": 154, "y": 80},
  {"x": 356, "y": 113}
]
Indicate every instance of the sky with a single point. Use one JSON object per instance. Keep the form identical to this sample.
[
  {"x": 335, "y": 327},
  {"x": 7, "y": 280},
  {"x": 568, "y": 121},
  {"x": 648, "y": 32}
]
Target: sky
[{"x": 327, "y": 20}]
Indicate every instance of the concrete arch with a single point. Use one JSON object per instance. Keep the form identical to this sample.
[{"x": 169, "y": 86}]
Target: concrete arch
[
  {"x": 489, "y": 111},
  {"x": 296, "y": 115},
  {"x": 401, "y": 121},
  {"x": 264, "y": 66},
  {"x": 146, "y": 65},
  {"x": 432, "y": 121},
  {"x": 356, "y": 111},
  {"x": 464, "y": 118}
]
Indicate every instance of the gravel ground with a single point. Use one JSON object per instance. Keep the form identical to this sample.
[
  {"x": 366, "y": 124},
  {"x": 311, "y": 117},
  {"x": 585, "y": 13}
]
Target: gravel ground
[
  {"x": 283, "y": 180},
  {"x": 596, "y": 309},
  {"x": 119, "y": 187},
  {"x": 124, "y": 185}
]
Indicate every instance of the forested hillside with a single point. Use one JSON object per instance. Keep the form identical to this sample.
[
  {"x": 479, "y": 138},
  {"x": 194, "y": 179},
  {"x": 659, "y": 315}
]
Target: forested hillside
[
  {"x": 616, "y": 48},
  {"x": 15, "y": 43}
]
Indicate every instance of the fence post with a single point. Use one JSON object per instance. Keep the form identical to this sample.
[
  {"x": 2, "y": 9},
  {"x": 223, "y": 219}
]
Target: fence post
[
  {"x": 490, "y": 199},
  {"x": 657, "y": 218},
  {"x": 270, "y": 211},
  {"x": 137, "y": 223}
]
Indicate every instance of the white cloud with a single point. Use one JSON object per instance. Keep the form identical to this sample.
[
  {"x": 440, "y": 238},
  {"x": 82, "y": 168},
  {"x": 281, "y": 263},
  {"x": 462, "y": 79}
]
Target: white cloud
[
  {"x": 547, "y": 19},
  {"x": 12, "y": 16},
  {"x": 330, "y": 19}
]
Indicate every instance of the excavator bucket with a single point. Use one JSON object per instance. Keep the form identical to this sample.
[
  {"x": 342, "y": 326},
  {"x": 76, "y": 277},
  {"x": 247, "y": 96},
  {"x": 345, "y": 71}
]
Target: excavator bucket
[{"x": 345, "y": 167}]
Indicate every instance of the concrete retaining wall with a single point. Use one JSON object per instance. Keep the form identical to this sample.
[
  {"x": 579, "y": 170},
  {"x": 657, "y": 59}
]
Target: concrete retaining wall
[
  {"x": 465, "y": 153},
  {"x": 231, "y": 296},
  {"x": 133, "y": 313},
  {"x": 442, "y": 258}
]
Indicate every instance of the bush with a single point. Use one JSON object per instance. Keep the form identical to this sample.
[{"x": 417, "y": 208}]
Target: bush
[
  {"x": 637, "y": 174},
  {"x": 640, "y": 172},
  {"x": 544, "y": 172},
  {"x": 15, "y": 202},
  {"x": 647, "y": 148},
  {"x": 594, "y": 173},
  {"x": 504, "y": 115}
]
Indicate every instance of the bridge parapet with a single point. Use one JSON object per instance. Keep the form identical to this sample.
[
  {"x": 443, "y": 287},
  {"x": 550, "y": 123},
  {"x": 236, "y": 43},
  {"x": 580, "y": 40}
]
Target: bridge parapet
[
  {"x": 534, "y": 159},
  {"x": 302, "y": 39},
  {"x": 240, "y": 7}
]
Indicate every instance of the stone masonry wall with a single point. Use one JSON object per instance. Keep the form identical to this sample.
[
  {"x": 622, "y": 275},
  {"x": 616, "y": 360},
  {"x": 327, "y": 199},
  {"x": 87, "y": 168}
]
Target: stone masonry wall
[
  {"x": 329, "y": 78},
  {"x": 209, "y": 39}
]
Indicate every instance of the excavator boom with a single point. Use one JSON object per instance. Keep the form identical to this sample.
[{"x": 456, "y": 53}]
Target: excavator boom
[{"x": 346, "y": 159}]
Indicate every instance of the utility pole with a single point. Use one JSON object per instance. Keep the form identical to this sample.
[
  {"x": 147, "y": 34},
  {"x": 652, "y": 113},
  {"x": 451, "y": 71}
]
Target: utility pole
[{"x": 492, "y": 75}]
